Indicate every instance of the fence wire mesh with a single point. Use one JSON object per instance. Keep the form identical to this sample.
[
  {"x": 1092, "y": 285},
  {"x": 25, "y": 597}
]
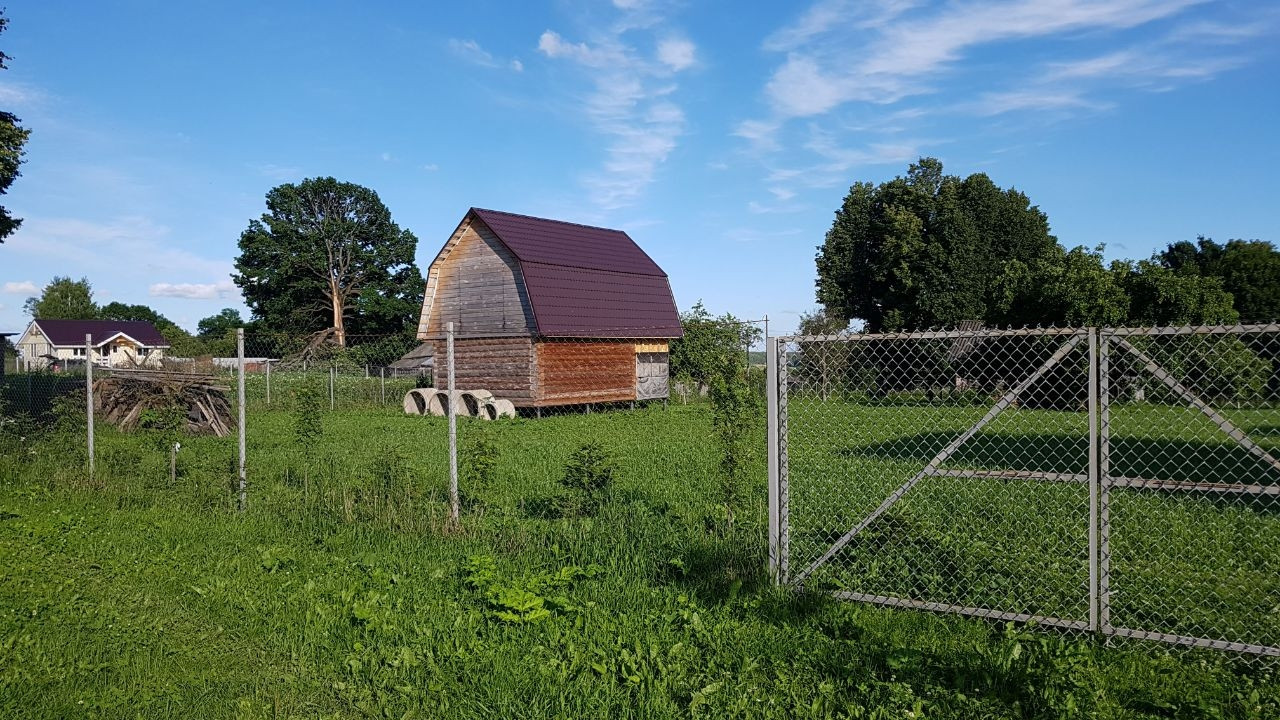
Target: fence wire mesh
[
  {"x": 1191, "y": 486},
  {"x": 1120, "y": 481}
]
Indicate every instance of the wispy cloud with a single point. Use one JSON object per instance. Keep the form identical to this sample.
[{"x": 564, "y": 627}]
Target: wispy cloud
[
  {"x": 21, "y": 96},
  {"x": 848, "y": 65},
  {"x": 271, "y": 171},
  {"x": 677, "y": 53},
  {"x": 471, "y": 51},
  {"x": 632, "y": 99},
  {"x": 25, "y": 287},
  {"x": 135, "y": 250},
  {"x": 194, "y": 291},
  {"x": 881, "y": 52},
  {"x": 997, "y": 103},
  {"x": 1147, "y": 64}
]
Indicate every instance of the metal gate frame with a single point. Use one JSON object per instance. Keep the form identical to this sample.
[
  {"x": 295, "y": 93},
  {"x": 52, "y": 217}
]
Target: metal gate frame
[{"x": 1100, "y": 342}]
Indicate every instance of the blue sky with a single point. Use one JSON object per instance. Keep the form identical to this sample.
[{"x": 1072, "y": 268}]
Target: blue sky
[{"x": 721, "y": 135}]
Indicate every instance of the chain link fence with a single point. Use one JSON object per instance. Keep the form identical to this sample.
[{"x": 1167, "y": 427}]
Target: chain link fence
[{"x": 1114, "y": 481}]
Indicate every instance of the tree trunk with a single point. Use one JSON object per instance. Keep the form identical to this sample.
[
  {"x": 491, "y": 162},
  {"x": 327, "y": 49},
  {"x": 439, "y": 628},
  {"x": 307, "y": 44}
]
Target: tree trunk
[{"x": 339, "y": 329}]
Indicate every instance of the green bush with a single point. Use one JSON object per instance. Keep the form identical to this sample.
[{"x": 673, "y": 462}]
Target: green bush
[{"x": 587, "y": 480}]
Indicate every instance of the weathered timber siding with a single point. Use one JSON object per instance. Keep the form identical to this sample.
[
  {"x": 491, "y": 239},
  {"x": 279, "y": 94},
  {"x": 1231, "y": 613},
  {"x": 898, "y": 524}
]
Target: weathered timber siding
[
  {"x": 570, "y": 372},
  {"x": 476, "y": 283},
  {"x": 503, "y": 366}
]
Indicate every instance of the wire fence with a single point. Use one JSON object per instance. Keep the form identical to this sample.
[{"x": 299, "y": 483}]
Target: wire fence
[
  {"x": 1120, "y": 482},
  {"x": 293, "y": 423},
  {"x": 1111, "y": 482}
]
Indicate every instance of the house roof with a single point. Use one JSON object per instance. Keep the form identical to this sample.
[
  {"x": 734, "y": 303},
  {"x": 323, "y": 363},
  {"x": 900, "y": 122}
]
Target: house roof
[
  {"x": 586, "y": 281},
  {"x": 416, "y": 358},
  {"x": 72, "y": 332}
]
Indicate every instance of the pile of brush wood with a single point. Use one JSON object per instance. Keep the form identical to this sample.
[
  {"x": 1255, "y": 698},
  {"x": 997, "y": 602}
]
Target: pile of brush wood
[{"x": 122, "y": 397}]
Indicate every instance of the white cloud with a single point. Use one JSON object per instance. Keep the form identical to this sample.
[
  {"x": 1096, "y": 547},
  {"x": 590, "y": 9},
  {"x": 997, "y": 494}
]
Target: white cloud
[
  {"x": 194, "y": 291},
  {"x": 25, "y": 287},
  {"x": 867, "y": 74},
  {"x": 21, "y": 96},
  {"x": 386, "y": 157},
  {"x": 762, "y": 134},
  {"x": 677, "y": 53},
  {"x": 553, "y": 46},
  {"x": 881, "y": 52},
  {"x": 431, "y": 167},
  {"x": 997, "y": 103},
  {"x": 279, "y": 173},
  {"x": 471, "y": 51},
  {"x": 630, "y": 103},
  {"x": 1133, "y": 64},
  {"x": 133, "y": 249}
]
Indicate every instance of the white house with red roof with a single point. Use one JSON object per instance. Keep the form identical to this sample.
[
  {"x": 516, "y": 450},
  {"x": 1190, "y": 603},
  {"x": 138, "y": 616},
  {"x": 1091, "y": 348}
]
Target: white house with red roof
[{"x": 53, "y": 344}]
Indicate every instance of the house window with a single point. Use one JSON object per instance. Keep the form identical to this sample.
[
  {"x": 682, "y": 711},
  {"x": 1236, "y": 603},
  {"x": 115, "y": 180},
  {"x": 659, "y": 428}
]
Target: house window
[
  {"x": 79, "y": 352},
  {"x": 143, "y": 352}
]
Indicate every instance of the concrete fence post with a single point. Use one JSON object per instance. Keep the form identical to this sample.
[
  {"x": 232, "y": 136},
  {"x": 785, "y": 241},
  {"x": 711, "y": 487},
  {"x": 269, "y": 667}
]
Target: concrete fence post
[
  {"x": 88, "y": 393},
  {"x": 240, "y": 416},
  {"x": 451, "y": 403}
]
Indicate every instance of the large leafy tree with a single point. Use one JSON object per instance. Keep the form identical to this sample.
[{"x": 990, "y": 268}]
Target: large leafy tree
[
  {"x": 1249, "y": 270},
  {"x": 1065, "y": 287},
  {"x": 927, "y": 249},
  {"x": 182, "y": 342},
  {"x": 326, "y": 254},
  {"x": 227, "y": 320},
  {"x": 1161, "y": 296},
  {"x": 13, "y": 138},
  {"x": 63, "y": 299},
  {"x": 712, "y": 347}
]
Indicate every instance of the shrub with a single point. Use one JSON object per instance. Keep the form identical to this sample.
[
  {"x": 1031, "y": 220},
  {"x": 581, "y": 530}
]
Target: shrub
[
  {"x": 479, "y": 462},
  {"x": 588, "y": 477}
]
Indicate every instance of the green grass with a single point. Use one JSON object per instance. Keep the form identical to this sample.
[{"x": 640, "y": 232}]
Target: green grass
[
  {"x": 1194, "y": 564},
  {"x": 343, "y": 592}
]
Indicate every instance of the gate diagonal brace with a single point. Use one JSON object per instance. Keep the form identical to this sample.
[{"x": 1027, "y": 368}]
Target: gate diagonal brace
[
  {"x": 942, "y": 456},
  {"x": 1224, "y": 424}
]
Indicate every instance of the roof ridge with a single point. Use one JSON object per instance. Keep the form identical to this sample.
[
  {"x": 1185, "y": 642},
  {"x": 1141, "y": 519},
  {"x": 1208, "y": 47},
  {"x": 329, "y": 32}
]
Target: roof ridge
[{"x": 552, "y": 220}]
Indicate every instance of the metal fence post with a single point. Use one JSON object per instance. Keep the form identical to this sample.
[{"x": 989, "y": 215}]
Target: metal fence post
[
  {"x": 240, "y": 414},
  {"x": 1104, "y": 483},
  {"x": 382, "y": 381},
  {"x": 1093, "y": 479},
  {"x": 268, "y": 382},
  {"x": 88, "y": 392},
  {"x": 454, "y": 504},
  {"x": 775, "y": 495},
  {"x": 784, "y": 491}
]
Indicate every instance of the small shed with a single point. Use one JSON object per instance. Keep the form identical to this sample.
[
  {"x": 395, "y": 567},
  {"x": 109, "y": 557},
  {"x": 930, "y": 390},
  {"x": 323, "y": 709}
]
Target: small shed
[{"x": 549, "y": 313}]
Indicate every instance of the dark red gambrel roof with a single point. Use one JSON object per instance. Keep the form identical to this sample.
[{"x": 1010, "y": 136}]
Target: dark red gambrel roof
[
  {"x": 72, "y": 332},
  {"x": 587, "y": 281}
]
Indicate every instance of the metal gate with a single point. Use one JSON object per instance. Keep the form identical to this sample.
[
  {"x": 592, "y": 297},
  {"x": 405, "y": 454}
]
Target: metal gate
[{"x": 1120, "y": 481}]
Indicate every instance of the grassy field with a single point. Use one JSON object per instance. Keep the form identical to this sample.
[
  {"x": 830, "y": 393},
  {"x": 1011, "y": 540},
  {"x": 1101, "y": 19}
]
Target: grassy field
[
  {"x": 342, "y": 591},
  {"x": 1196, "y": 564}
]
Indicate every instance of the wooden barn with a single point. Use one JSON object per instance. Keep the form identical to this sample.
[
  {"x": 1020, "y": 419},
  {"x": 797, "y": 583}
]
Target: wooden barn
[{"x": 549, "y": 313}]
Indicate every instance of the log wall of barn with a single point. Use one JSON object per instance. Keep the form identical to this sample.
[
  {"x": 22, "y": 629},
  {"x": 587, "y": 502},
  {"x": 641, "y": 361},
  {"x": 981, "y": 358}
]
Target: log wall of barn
[
  {"x": 478, "y": 286},
  {"x": 503, "y": 366},
  {"x": 584, "y": 371}
]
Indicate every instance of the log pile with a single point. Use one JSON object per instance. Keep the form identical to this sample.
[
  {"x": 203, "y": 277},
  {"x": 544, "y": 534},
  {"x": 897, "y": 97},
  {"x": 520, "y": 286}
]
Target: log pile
[{"x": 122, "y": 397}]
